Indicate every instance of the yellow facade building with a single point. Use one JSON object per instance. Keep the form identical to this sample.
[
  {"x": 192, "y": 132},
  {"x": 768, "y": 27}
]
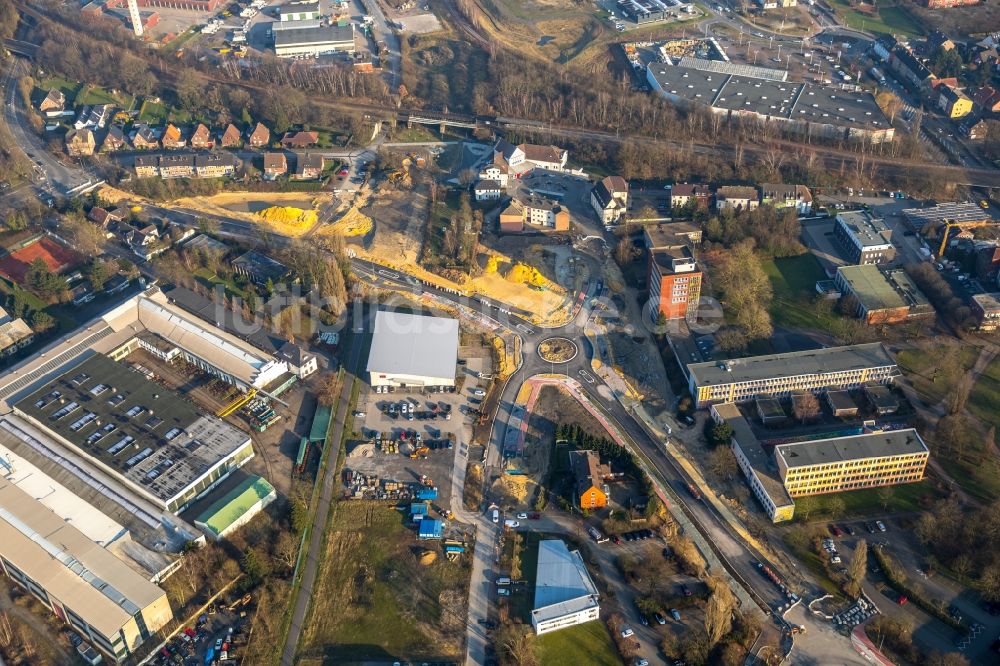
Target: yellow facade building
[{"x": 851, "y": 463}]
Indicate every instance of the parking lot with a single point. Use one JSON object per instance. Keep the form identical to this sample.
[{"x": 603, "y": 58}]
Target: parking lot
[
  {"x": 419, "y": 435},
  {"x": 571, "y": 191}
]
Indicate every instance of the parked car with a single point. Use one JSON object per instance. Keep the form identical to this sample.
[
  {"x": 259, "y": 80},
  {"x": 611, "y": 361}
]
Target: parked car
[
  {"x": 675, "y": 614},
  {"x": 685, "y": 590},
  {"x": 478, "y": 392},
  {"x": 522, "y": 516},
  {"x": 503, "y": 591},
  {"x": 659, "y": 618},
  {"x": 880, "y": 525},
  {"x": 627, "y": 631}
]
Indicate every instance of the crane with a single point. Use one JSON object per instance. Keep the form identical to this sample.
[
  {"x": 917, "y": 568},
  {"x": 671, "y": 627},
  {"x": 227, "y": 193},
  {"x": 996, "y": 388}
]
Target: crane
[{"x": 949, "y": 225}]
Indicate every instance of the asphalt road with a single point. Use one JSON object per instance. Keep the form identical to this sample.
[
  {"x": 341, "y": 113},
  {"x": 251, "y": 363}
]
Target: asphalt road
[{"x": 314, "y": 549}]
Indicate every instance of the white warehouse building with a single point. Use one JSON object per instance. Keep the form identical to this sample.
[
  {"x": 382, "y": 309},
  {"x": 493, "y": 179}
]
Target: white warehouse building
[
  {"x": 413, "y": 350},
  {"x": 565, "y": 594}
]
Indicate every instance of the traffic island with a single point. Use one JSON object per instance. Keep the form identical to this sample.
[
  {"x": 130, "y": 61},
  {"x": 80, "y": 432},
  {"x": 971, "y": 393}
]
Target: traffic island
[{"x": 558, "y": 350}]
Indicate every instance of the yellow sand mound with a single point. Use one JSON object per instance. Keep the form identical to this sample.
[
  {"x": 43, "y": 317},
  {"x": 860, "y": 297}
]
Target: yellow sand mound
[
  {"x": 492, "y": 264},
  {"x": 525, "y": 274},
  {"x": 288, "y": 215},
  {"x": 353, "y": 223}
]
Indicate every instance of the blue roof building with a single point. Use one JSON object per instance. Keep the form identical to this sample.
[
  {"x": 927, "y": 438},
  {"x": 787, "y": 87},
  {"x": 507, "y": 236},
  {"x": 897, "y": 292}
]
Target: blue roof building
[{"x": 430, "y": 529}]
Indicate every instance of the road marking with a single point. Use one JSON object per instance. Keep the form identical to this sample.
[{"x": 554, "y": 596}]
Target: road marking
[
  {"x": 389, "y": 274},
  {"x": 587, "y": 376},
  {"x": 525, "y": 329}
]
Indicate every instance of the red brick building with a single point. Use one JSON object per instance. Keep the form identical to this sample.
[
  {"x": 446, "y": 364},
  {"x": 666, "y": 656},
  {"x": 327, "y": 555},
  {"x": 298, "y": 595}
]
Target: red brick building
[{"x": 674, "y": 283}]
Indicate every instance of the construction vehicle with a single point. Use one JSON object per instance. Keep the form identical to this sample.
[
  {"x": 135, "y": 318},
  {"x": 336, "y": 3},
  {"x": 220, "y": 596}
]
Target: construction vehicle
[
  {"x": 962, "y": 226},
  {"x": 236, "y": 404},
  {"x": 242, "y": 601},
  {"x": 421, "y": 451}
]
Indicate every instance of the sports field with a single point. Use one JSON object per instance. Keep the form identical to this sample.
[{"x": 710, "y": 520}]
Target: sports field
[{"x": 57, "y": 257}]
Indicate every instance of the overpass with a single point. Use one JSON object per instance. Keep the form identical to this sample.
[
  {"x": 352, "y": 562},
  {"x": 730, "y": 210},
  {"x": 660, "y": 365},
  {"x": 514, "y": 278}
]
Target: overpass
[{"x": 26, "y": 49}]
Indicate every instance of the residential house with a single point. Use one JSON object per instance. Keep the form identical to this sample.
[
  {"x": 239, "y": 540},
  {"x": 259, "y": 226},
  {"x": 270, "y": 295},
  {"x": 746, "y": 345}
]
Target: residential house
[
  {"x": 308, "y": 166},
  {"x": 144, "y": 138},
  {"x": 300, "y": 139},
  {"x": 987, "y": 99},
  {"x": 214, "y": 165},
  {"x": 609, "y": 199},
  {"x": 147, "y": 166},
  {"x": 275, "y": 165},
  {"x": 201, "y": 138},
  {"x": 231, "y": 137},
  {"x": 496, "y": 171},
  {"x": 883, "y": 47},
  {"x": 15, "y": 334},
  {"x": 528, "y": 212},
  {"x": 937, "y": 40},
  {"x": 946, "y": 4},
  {"x": 909, "y": 68},
  {"x": 682, "y": 193},
  {"x": 53, "y": 104},
  {"x": 787, "y": 196},
  {"x": 93, "y": 117},
  {"x": 176, "y": 166},
  {"x": 986, "y": 308},
  {"x": 106, "y": 219},
  {"x": 80, "y": 143},
  {"x": 488, "y": 190},
  {"x": 589, "y": 476},
  {"x": 976, "y": 131},
  {"x": 528, "y": 156},
  {"x": 736, "y": 197},
  {"x": 301, "y": 362},
  {"x": 172, "y": 137},
  {"x": 114, "y": 140},
  {"x": 116, "y": 284},
  {"x": 259, "y": 137},
  {"x": 953, "y": 102},
  {"x": 81, "y": 293}
]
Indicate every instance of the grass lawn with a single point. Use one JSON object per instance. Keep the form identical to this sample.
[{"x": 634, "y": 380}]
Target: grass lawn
[
  {"x": 68, "y": 88},
  {"x": 920, "y": 365},
  {"x": 812, "y": 561},
  {"x": 374, "y": 600},
  {"x": 181, "y": 39},
  {"x": 154, "y": 113},
  {"x": 415, "y": 134},
  {"x": 984, "y": 401},
  {"x": 211, "y": 279},
  {"x": 889, "y": 20},
  {"x": 587, "y": 643},
  {"x": 859, "y": 503},
  {"x": 794, "y": 282}
]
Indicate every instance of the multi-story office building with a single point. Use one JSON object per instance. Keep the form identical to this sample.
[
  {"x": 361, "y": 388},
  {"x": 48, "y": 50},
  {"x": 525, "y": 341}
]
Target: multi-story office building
[
  {"x": 851, "y": 463},
  {"x": 865, "y": 239},
  {"x": 674, "y": 283},
  {"x": 815, "y": 370}
]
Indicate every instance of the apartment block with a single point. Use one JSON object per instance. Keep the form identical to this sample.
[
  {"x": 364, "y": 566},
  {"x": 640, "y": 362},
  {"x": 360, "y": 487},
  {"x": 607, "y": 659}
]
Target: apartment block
[
  {"x": 861, "y": 461},
  {"x": 815, "y": 370},
  {"x": 674, "y": 283}
]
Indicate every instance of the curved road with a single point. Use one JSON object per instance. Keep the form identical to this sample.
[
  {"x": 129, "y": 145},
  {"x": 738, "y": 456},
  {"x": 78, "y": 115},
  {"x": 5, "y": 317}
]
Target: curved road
[{"x": 736, "y": 556}]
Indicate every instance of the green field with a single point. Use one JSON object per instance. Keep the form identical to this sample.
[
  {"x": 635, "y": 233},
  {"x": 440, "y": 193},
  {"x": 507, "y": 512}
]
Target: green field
[
  {"x": 68, "y": 88},
  {"x": 908, "y": 497},
  {"x": 920, "y": 367},
  {"x": 154, "y": 113},
  {"x": 889, "y": 20},
  {"x": 415, "y": 134},
  {"x": 587, "y": 643},
  {"x": 374, "y": 601},
  {"x": 794, "y": 282},
  {"x": 210, "y": 279}
]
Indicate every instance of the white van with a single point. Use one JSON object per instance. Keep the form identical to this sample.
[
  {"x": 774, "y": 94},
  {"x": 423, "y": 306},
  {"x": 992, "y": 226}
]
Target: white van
[
  {"x": 503, "y": 580},
  {"x": 496, "y": 515}
]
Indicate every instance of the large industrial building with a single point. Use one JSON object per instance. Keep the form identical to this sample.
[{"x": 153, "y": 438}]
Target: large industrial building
[
  {"x": 822, "y": 111},
  {"x": 105, "y": 600},
  {"x": 815, "y": 370},
  {"x": 965, "y": 212},
  {"x": 155, "y": 442},
  {"x": 310, "y": 41},
  {"x": 565, "y": 594},
  {"x": 413, "y": 350}
]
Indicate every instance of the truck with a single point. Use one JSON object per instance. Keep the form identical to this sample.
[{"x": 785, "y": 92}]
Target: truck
[
  {"x": 877, "y": 75},
  {"x": 694, "y": 491}
]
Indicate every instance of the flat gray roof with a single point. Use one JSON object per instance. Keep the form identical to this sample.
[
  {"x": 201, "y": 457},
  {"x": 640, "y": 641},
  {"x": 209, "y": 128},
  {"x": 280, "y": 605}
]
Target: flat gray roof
[
  {"x": 989, "y": 302},
  {"x": 762, "y": 464},
  {"x": 327, "y": 34},
  {"x": 410, "y": 344},
  {"x": 145, "y": 432},
  {"x": 853, "y": 447},
  {"x": 778, "y": 99},
  {"x": 790, "y": 364},
  {"x": 561, "y": 575},
  {"x": 869, "y": 231},
  {"x": 871, "y": 287}
]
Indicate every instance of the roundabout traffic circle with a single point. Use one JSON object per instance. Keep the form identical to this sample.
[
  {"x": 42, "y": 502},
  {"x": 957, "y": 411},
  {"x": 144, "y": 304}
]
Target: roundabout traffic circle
[{"x": 558, "y": 350}]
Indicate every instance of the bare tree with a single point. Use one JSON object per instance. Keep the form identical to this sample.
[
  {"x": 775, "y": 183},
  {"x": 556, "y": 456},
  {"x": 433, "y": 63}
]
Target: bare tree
[
  {"x": 805, "y": 405},
  {"x": 856, "y": 570}
]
